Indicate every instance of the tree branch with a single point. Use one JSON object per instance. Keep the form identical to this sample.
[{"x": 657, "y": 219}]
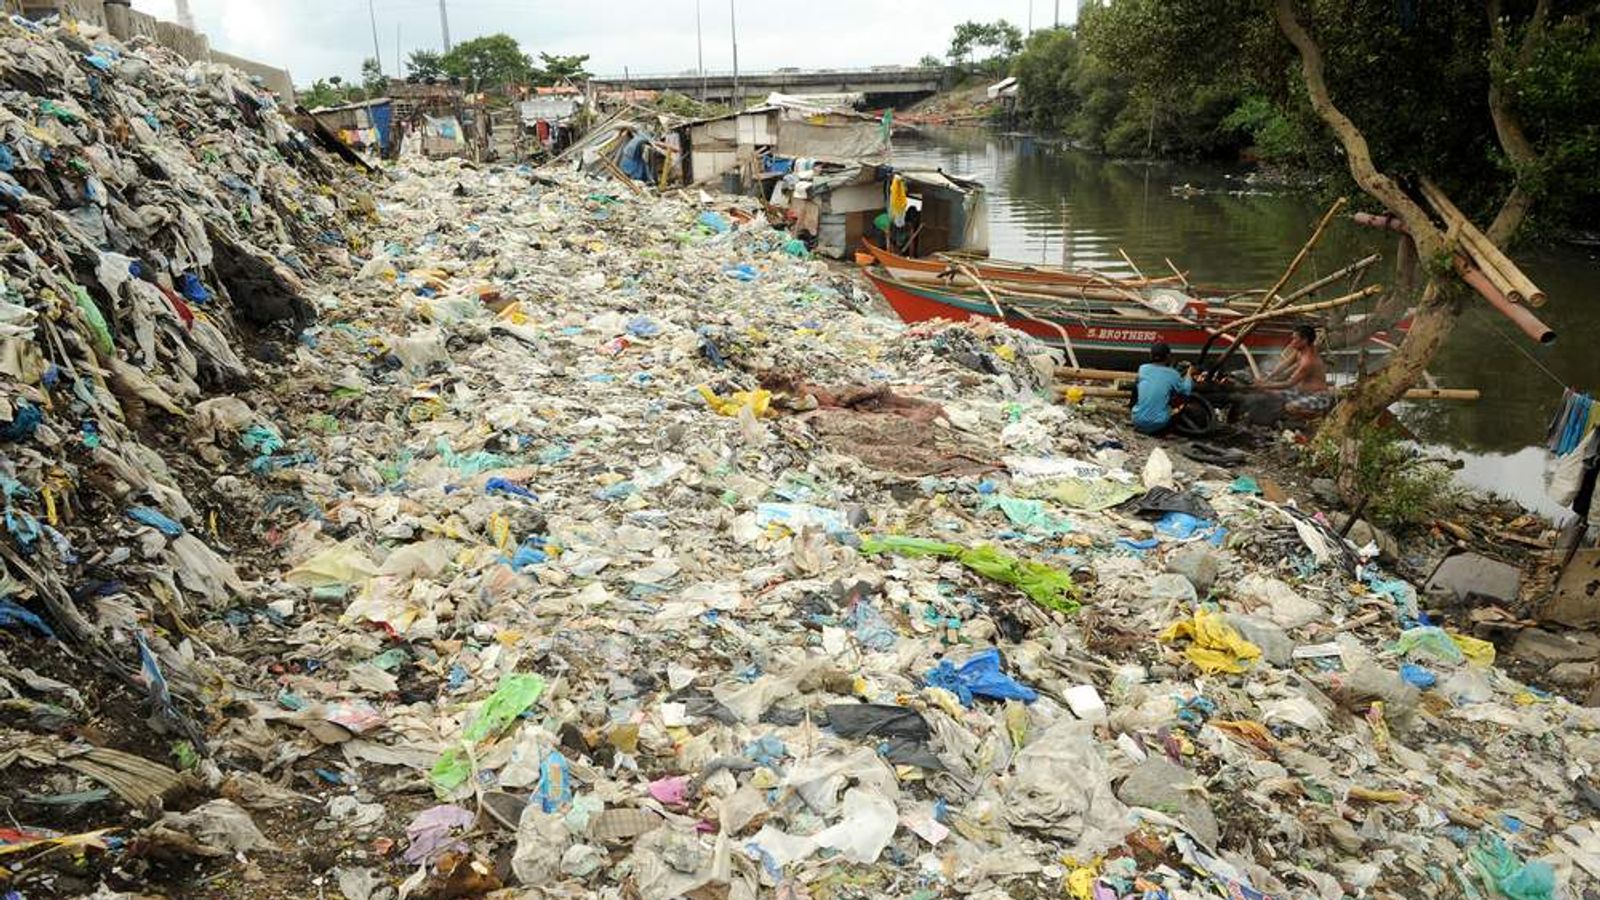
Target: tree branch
[
  {"x": 1507, "y": 127},
  {"x": 1430, "y": 241}
]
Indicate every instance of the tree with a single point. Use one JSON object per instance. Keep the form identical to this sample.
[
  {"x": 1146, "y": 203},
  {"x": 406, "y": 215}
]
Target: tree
[
  {"x": 488, "y": 62},
  {"x": 373, "y": 81},
  {"x": 1001, "y": 39},
  {"x": 562, "y": 69},
  {"x": 930, "y": 61},
  {"x": 1443, "y": 295},
  {"x": 1046, "y": 72},
  {"x": 425, "y": 64},
  {"x": 321, "y": 93}
]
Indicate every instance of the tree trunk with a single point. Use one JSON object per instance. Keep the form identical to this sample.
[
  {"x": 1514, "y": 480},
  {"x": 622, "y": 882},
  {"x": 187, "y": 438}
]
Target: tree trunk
[
  {"x": 1432, "y": 324},
  {"x": 1436, "y": 311}
]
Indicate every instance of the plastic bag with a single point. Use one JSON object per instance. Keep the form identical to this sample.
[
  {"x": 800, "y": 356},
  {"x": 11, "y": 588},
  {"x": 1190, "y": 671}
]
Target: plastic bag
[
  {"x": 516, "y": 693},
  {"x": 1214, "y": 645},
  {"x": 1031, "y": 514},
  {"x": 979, "y": 676},
  {"x": 1158, "y": 470},
  {"x": 1430, "y": 642},
  {"x": 1502, "y": 871},
  {"x": 1050, "y": 588}
]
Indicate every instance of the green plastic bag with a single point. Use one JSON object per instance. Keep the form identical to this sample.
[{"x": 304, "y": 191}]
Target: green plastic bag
[
  {"x": 1050, "y": 588},
  {"x": 1504, "y": 872},
  {"x": 1429, "y": 642},
  {"x": 516, "y": 693},
  {"x": 909, "y": 546},
  {"x": 96, "y": 320},
  {"x": 1031, "y": 514}
]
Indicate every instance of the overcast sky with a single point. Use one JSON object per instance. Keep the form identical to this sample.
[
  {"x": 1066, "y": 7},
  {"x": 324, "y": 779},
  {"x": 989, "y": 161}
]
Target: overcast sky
[{"x": 317, "y": 38}]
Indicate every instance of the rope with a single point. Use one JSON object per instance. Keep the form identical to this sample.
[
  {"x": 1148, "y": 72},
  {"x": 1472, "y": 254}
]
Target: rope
[{"x": 1515, "y": 345}]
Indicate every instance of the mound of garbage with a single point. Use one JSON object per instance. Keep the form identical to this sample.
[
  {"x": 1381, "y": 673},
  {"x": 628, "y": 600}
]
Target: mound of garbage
[{"x": 590, "y": 542}]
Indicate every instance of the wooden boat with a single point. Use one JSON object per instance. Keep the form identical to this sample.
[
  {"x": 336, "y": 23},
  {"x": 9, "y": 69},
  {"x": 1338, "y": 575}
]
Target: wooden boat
[
  {"x": 1001, "y": 272},
  {"x": 1115, "y": 333}
]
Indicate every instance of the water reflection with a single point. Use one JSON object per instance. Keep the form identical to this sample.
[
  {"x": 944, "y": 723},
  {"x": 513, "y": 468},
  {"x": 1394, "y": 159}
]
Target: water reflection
[{"x": 1051, "y": 204}]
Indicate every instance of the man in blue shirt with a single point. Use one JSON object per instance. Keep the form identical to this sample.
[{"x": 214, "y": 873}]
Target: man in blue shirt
[{"x": 1152, "y": 394}]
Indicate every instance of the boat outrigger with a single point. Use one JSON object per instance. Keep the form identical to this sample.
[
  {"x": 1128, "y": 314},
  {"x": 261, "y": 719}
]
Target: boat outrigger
[
  {"x": 1097, "y": 319},
  {"x": 1112, "y": 333}
]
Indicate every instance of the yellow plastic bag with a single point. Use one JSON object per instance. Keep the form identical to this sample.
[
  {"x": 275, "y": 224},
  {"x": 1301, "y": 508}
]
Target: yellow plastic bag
[
  {"x": 1478, "y": 652},
  {"x": 1214, "y": 644},
  {"x": 759, "y": 401},
  {"x": 341, "y": 564}
]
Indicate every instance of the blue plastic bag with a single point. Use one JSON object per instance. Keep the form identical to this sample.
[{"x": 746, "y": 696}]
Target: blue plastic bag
[
  {"x": 1417, "y": 675},
  {"x": 555, "y": 783},
  {"x": 12, "y": 614},
  {"x": 715, "y": 221},
  {"x": 531, "y": 553},
  {"x": 979, "y": 676},
  {"x": 144, "y": 515},
  {"x": 499, "y": 485},
  {"x": 192, "y": 289}
]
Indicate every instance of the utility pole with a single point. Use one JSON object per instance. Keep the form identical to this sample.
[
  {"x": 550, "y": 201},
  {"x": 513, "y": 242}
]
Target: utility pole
[
  {"x": 444, "y": 25},
  {"x": 1058, "y": 13},
  {"x": 733, "y": 22},
  {"x": 700, "y": 49},
  {"x": 1030, "y": 17},
  {"x": 377, "y": 51},
  {"x": 399, "y": 67},
  {"x": 185, "y": 17}
]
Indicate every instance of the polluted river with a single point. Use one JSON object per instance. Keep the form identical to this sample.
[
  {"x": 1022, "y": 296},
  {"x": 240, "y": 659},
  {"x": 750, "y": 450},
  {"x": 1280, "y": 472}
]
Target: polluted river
[{"x": 1053, "y": 204}]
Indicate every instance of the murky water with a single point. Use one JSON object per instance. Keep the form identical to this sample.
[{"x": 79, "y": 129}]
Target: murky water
[{"x": 1052, "y": 204}]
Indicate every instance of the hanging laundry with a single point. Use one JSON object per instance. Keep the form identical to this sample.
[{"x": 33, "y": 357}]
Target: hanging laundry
[
  {"x": 898, "y": 201},
  {"x": 1575, "y": 418}
]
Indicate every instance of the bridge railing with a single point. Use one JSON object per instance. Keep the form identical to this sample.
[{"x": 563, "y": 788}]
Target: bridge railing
[{"x": 721, "y": 74}]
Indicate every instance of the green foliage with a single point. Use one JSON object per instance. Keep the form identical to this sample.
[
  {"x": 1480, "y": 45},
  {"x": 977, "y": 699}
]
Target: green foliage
[
  {"x": 373, "y": 81},
  {"x": 997, "y": 42},
  {"x": 682, "y": 105},
  {"x": 561, "y": 69},
  {"x": 930, "y": 61},
  {"x": 1216, "y": 78},
  {"x": 1403, "y": 490},
  {"x": 1272, "y": 135},
  {"x": 1044, "y": 72},
  {"x": 321, "y": 93},
  {"x": 425, "y": 64},
  {"x": 488, "y": 62}
]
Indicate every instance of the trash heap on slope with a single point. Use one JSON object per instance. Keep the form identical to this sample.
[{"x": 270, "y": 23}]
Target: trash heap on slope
[
  {"x": 611, "y": 549},
  {"x": 156, "y": 213},
  {"x": 626, "y": 553}
]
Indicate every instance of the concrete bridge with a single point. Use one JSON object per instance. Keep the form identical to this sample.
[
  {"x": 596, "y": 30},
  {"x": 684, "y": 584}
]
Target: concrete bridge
[{"x": 883, "y": 85}]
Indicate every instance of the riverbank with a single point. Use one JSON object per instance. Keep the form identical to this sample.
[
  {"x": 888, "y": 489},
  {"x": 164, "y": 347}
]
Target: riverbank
[{"x": 541, "y": 588}]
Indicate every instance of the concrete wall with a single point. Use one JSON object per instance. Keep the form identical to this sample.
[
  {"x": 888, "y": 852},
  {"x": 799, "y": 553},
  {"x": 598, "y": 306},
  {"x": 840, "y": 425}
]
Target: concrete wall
[{"x": 188, "y": 44}]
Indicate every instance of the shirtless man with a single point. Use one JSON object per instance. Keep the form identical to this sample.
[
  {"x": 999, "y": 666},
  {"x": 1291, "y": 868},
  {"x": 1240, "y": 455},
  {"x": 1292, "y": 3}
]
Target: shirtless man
[{"x": 1301, "y": 376}]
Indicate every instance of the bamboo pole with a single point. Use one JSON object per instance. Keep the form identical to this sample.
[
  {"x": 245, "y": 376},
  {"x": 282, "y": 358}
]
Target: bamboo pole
[
  {"x": 1181, "y": 277},
  {"x": 1316, "y": 235},
  {"x": 1304, "y": 308},
  {"x": 1232, "y": 341},
  {"x": 1516, "y": 312},
  {"x": 1066, "y": 339},
  {"x": 1485, "y": 254},
  {"x": 1271, "y": 301},
  {"x": 1320, "y": 283}
]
